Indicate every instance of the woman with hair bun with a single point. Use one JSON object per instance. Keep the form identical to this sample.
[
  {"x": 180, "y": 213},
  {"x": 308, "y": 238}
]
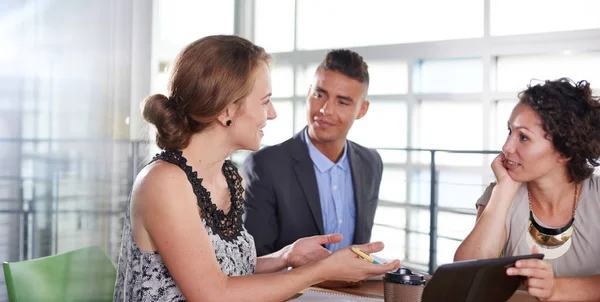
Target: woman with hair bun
[
  {"x": 546, "y": 199},
  {"x": 183, "y": 237}
]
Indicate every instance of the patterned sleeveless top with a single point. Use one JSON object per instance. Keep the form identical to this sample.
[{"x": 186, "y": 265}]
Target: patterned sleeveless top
[{"x": 143, "y": 276}]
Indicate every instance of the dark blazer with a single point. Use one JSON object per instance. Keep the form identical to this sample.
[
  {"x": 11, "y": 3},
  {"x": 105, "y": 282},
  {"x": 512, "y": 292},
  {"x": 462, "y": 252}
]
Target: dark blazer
[{"x": 282, "y": 201}]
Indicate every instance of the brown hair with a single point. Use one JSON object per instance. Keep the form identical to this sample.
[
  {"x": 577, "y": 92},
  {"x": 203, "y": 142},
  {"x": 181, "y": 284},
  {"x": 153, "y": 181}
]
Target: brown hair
[
  {"x": 571, "y": 119},
  {"x": 208, "y": 75},
  {"x": 348, "y": 63}
]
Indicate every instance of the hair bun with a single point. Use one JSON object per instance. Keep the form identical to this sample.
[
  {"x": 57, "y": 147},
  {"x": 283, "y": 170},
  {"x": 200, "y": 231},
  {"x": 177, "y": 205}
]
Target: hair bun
[
  {"x": 171, "y": 129},
  {"x": 154, "y": 107}
]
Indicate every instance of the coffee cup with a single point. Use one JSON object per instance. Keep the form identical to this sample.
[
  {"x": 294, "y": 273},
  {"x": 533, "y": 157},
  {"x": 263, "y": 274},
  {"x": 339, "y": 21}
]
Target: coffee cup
[{"x": 402, "y": 285}]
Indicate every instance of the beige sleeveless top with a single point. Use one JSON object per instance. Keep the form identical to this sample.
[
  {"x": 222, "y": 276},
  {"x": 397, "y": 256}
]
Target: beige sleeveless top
[{"x": 580, "y": 255}]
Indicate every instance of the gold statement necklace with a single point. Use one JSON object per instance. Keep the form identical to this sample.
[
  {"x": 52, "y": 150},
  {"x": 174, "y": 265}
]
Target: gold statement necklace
[{"x": 551, "y": 237}]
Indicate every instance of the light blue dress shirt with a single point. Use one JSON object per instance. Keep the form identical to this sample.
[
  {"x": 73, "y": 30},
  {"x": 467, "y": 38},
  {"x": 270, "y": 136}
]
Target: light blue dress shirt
[{"x": 336, "y": 193}]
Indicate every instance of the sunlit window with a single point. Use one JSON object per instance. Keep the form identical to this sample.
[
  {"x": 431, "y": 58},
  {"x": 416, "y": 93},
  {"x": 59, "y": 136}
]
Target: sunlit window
[
  {"x": 451, "y": 125},
  {"x": 503, "y": 111},
  {"x": 393, "y": 238},
  {"x": 180, "y": 22},
  {"x": 355, "y": 22},
  {"x": 393, "y": 185},
  {"x": 274, "y": 25},
  {"x": 387, "y": 77},
  {"x": 514, "y": 73},
  {"x": 305, "y": 77},
  {"x": 282, "y": 81},
  {"x": 390, "y": 225},
  {"x": 384, "y": 125},
  {"x": 514, "y": 17},
  {"x": 280, "y": 128},
  {"x": 301, "y": 116},
  {"x": 449, "y": 76}
]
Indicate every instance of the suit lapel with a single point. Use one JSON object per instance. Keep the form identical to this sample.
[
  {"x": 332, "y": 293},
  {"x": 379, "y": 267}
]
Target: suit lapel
[
  {"x": 306, "y": 177},
  {"x": 359, "y": 193}
]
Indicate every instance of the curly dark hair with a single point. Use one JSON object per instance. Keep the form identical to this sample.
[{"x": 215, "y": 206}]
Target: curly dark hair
[{"x": 571, "y": 118}]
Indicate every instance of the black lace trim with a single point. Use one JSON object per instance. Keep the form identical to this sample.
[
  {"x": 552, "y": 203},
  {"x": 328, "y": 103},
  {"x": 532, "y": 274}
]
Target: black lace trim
[{"x": 227, "y": 226}]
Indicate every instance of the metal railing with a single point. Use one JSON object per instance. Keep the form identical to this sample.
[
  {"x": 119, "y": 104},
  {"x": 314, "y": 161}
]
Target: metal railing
[
  {"x": 434, "y": 207},
  {"x": 83, "y": 196}
]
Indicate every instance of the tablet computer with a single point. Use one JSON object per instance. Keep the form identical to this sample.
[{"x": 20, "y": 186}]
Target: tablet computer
[{"x": 475, "y": 280}]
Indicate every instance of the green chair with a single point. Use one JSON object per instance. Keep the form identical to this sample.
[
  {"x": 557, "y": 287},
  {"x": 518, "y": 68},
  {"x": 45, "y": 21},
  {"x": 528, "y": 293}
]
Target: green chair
[{"x": 81, "y": 275}]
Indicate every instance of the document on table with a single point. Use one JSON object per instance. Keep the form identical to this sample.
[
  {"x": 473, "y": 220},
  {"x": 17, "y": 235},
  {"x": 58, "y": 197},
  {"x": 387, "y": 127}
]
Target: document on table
[{"x": 313, "y": 295}]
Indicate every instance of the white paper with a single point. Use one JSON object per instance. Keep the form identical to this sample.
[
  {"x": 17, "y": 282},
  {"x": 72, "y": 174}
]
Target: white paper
[{"x": 312, "y": 295}]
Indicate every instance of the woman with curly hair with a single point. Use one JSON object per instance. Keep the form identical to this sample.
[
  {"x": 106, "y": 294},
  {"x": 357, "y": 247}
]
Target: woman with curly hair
[{"x": 546, "y": 199}]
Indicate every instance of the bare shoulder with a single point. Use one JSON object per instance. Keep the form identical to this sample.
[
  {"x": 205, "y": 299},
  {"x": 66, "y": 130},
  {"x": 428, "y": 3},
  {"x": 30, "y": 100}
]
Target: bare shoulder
[
  {"x": 158, "y": 172},
  {"x": 161, "y": 185}
]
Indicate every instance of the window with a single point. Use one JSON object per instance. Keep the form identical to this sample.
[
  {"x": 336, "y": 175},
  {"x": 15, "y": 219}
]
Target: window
[
  {"x": 35, "y": 124},
  {"x": 393, "y": 185},
  {"x": 449, "y": 76},
  {"x": 391, "y": 217},
  {"x": 282, "y": 81},
  {"x": 387, "y": 77},
  {"x": 390, "y": 227},
  {"x": 301, "y": 116},
  {"x": 446, "y": 249},
  {"x": 354, "y": 22},
  {"x": 457, "y": 189},
  {"x": 393, "y": 238},
  {"x": 514, "y": 17},
  {"x": 274, "y": 25},
  {"x": 161, "y": 82},
  {"x": 456, "y": 226},
  {"x": 384, "y": 126},
  {"x": 279, "y": 129},
  {"x": 418, "y": 244},
  {"x": 304, "y": 78},
  {"x": 503, "y": 112},
  {"x": 181, "y": 22},
  {"x": 451, "y": 125},
  {"x": 515, "y": 72},
  {"x": 450, "y": 226},
  {"x": 393, "y": 156}
]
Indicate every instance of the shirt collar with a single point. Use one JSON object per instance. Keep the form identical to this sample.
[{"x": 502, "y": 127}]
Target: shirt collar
[{"x": 321, "y": 161}]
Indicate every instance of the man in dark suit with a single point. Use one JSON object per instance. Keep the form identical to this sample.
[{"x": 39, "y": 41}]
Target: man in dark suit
[{"x": 317, "y": 182}]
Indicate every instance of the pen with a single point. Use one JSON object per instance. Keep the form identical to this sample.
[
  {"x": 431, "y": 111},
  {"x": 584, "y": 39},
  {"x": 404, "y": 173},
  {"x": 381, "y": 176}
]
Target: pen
[{"x": 364, "y": 255}]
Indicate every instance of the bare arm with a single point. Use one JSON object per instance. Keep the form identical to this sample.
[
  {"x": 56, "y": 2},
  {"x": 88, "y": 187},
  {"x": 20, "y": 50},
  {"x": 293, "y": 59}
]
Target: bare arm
[
  {"x": 488, "y": 237},
  {"x": 270, "y": 263},
  {"x": 167, "y": 206},
  {"x": 577, "y": 288}
]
